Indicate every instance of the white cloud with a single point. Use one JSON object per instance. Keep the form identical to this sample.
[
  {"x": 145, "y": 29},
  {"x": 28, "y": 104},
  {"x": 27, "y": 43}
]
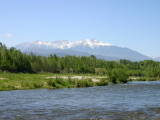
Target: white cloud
[{"x": 8, "y": 35}]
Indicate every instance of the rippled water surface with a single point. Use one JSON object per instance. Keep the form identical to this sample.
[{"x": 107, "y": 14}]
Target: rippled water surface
[{"x": 132, "y": 101}]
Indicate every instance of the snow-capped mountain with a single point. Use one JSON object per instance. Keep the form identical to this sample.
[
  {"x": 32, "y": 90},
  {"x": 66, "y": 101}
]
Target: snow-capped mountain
[{"x": 86, "y": 47}]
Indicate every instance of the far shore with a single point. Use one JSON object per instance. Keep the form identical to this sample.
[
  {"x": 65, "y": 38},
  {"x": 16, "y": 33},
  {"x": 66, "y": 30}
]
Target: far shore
[{"x": 20, "y": 81}]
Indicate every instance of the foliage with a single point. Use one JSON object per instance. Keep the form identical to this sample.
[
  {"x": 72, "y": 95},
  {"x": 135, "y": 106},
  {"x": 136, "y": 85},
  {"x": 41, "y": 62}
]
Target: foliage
[
  {"x": 118, "y": 76},
  {"x": 13, "y": 60}
]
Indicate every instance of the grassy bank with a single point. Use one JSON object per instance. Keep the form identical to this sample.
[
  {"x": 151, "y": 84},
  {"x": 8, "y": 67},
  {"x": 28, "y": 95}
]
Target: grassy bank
[
  {"x": 19, "y": 81},
  {"x": 13, "y": 81}
]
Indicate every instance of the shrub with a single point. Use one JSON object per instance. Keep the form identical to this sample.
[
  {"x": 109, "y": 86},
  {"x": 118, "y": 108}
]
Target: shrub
[
  {"x": 102, "y": 82},
  {"x": 118, "y": 76}
]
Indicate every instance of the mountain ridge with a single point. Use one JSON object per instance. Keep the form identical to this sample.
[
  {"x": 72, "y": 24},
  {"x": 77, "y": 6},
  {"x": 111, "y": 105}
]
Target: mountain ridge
[
  {"x": 157, "y": 59},
  {"x": 86, "y": 47}
]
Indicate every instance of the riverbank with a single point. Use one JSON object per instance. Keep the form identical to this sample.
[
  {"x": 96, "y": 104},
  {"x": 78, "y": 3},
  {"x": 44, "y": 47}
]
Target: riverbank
[
  {"x": 22, "y": 81},
  {"x": 14, "y": 81}
]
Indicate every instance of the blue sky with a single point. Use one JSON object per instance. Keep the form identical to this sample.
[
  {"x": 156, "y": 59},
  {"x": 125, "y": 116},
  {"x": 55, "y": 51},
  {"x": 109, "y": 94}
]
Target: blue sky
[{"x": 128, "y": 23}]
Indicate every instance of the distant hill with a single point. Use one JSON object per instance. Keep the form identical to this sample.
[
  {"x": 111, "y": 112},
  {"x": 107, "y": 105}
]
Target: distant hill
[
  {"x": 157, "y": 59},
  {"x": 81, "y": 48}
]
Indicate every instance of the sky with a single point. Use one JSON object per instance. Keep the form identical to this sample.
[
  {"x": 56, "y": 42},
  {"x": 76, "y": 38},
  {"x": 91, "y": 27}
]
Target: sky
[{"x": 127, "y": 23}]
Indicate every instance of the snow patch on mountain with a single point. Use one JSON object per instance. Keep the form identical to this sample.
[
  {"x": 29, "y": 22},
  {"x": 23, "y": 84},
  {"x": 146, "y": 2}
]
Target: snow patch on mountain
[{"x": 65, "y": 44}]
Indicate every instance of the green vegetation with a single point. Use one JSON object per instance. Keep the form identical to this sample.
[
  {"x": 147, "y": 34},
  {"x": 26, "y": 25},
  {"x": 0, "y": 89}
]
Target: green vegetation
[
  {"x": 14, "y": 81},
  {"x": 118, "y": 76},
  {"x": 30, "y": 69}
]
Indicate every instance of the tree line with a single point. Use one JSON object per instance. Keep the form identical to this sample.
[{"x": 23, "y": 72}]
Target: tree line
[{"x": 12, "y": 60}]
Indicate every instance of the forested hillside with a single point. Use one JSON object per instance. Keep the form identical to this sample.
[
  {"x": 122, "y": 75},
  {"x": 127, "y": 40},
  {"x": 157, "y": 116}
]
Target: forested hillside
[{"x": 12, "y": 60}]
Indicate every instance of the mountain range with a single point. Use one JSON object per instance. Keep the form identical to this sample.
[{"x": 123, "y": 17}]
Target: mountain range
[
  {"x": 86, "y": 47},
  {"x": 157, "y": 59}
]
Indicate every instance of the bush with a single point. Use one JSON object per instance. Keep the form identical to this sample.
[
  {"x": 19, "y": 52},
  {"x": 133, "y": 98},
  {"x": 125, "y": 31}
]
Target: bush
[
  {"x": 84, "y": 83},
  {"x": 118, "y": 76},
  {"x": 102, "y": 82}
]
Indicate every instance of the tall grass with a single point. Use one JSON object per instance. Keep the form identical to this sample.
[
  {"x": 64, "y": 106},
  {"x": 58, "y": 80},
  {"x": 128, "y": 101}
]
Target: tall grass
[
  {"x": 70, "y": 83},
  {"x": 13, "y": 81}
]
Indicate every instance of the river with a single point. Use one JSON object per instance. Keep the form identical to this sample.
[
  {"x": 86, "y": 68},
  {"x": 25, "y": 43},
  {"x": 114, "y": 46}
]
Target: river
[{"x": 132, "y": 101}]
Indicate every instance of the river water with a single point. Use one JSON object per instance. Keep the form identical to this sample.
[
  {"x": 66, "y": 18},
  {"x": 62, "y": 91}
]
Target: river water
[{"x": 132, "y": 101}]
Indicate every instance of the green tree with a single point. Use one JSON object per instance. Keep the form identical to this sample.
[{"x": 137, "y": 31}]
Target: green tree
[{"x": 118, "y": 76}]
